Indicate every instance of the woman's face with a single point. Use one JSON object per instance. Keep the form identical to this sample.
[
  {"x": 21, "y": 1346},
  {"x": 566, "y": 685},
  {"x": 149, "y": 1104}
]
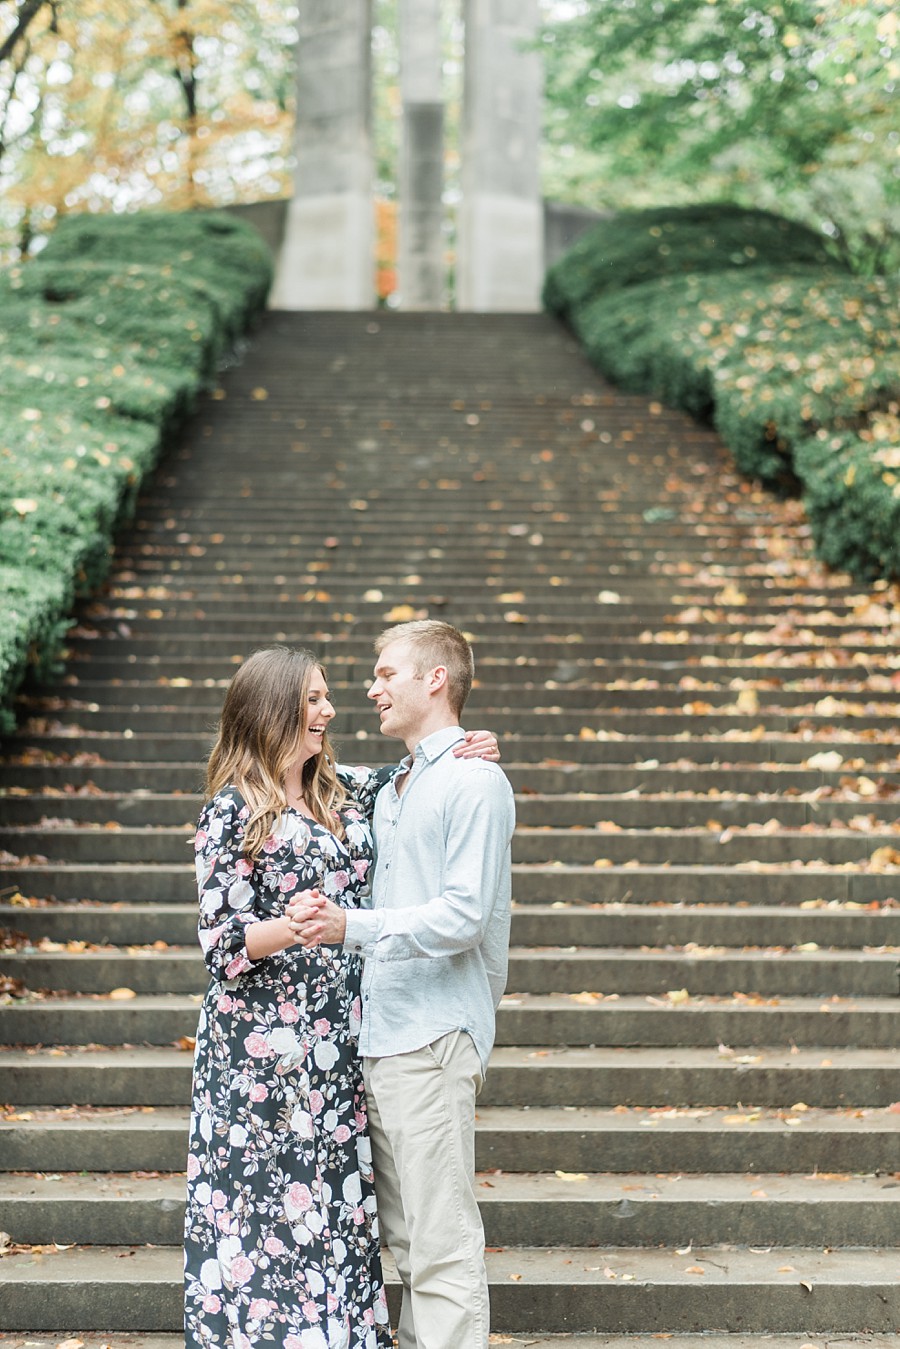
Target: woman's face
[{"x": 318, "y": 713}]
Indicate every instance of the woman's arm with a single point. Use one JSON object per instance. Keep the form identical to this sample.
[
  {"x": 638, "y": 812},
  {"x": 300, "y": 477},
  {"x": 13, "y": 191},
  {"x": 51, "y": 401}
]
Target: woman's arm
[{"x": 233, "y": 933}]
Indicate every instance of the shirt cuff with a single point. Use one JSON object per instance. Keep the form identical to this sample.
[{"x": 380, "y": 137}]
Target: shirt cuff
[{"x": 361, "y": 931}]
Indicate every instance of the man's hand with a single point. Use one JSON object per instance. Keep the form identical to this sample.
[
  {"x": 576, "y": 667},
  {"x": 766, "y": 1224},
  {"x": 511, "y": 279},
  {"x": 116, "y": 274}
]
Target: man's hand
[{"x": 315, "y": 921}]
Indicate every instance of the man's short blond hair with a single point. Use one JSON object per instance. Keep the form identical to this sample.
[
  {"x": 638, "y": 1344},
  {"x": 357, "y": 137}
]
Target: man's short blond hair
[{"x": 435, "y": 643}]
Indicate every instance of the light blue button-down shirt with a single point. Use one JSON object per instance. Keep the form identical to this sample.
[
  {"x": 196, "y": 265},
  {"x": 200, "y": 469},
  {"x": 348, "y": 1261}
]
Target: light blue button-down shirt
[{"x": 436, "y": 939}]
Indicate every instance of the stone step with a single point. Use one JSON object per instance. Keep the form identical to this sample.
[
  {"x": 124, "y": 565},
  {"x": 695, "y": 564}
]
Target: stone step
[
  {"x": 103, "y": 671},
  {"x": 752, "y": 749},
  {"x": 503, "y": 721},
  {"x": 194, "y": 703},
  {"x": 651, "y": 1139},
  {"x": 532, "y": 883},
  {"x": 490, "y": 618},
  {"x": 255, "y": 602},
  {"x": 124, "y": 1340},
  {"x": 773, "y": 783},
  {"x": 579, "y": 846},
  {"x": 339, "y": 633},
  {"x": 709, "y": 970},
  {"x": 565, "y": 1209},
  {"x": 553, "y": 1075},
  {"x": 570, "y": 810},
  {"x": 522, "y": 1019},
  {"x": 568, "y": 1289},
  {"x": 586, "y": 925}
]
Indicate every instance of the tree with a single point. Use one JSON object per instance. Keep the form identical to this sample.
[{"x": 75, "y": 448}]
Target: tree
[
  {"x": 789, "y": 105},
  {"x": 119, "y": 104}
]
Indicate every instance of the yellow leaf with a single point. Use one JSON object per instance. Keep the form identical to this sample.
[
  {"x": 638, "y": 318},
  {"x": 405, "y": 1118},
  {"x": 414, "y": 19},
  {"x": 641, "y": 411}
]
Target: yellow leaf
[
  {"x": 695, "y": 1269},
  {"x": 678, "y": 995},
  {"x": 24, "y": 505},
  {"x": 260, "y": 395},
  {"x": 121, "y": 994},
  {"x": 571, "y": 1175},
  {"x": 401, "y": 613}
]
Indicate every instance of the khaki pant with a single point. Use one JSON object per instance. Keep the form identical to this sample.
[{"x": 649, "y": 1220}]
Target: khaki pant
[{"x": 422, "y": 1126}]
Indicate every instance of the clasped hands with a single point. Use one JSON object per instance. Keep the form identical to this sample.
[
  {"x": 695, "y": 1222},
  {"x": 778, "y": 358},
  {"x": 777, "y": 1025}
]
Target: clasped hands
[{"x": 315, "y": 920}]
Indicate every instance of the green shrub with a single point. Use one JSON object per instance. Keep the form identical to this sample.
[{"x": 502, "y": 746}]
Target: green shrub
[
  {"x": 208, "y": 248},
  {"x": 799, "y": 369},
  {"x": 34, "y": 607},
  {"x": 635, "y": 247},
  {"x": 136, "y": 314},
  {"x": 105, "y": 341}
]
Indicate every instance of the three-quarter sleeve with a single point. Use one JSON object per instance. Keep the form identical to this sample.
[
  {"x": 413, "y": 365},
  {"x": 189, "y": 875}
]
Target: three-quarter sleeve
[{"x": 225, "y": 884}]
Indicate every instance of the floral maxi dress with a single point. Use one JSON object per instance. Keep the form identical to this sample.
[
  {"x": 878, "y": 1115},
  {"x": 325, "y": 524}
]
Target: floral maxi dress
[{"x": 281, "y": 1235}]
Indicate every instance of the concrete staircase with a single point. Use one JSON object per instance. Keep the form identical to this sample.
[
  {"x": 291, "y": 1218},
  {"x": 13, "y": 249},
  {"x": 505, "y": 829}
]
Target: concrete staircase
[{"x": 690, "y": 1123}]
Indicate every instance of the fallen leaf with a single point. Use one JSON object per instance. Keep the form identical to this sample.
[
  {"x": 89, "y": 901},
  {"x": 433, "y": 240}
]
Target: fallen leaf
[
  {"x": 695, "y": 1269},
  {"x": 121, "y": 994}
]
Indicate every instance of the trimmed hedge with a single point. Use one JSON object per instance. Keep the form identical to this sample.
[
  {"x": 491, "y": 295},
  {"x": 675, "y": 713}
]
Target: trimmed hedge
[
  {"x": 797, "y": 365},
  {"x": 637, "y": 246},
  {"x": 105, "y": 341}
]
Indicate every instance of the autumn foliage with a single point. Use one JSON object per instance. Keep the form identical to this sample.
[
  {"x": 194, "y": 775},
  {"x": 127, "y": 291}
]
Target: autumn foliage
[
  {"x": 747, "y": 320},
  {"x": 104, "y": 343}
]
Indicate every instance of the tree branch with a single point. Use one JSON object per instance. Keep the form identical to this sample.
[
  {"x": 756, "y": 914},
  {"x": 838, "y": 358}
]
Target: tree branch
[{"x": 27, "y": 12}]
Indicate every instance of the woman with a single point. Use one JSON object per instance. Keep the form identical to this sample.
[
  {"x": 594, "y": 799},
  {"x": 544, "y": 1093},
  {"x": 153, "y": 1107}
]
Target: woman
[{"x": 281, "y": 1239}]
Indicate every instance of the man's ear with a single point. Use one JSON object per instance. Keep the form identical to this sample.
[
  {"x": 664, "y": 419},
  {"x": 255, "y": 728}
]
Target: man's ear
[{"x": 437, "y": 679}]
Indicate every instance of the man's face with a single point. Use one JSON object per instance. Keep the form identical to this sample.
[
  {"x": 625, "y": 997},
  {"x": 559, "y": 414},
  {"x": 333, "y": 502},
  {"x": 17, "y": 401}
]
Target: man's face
[{"x": 399, "y": 694}]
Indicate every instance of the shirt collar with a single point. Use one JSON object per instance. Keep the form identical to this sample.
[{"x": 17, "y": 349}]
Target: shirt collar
[{"x": 436, "y": 744}]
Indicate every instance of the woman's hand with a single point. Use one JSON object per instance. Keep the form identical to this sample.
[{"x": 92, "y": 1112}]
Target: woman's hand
[
  {"x": 314, "y": 920},
  {"x": 479, "y": 745}
]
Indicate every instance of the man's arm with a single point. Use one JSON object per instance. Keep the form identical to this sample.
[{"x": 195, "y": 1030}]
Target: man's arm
[{"x": 480, "y": 823}]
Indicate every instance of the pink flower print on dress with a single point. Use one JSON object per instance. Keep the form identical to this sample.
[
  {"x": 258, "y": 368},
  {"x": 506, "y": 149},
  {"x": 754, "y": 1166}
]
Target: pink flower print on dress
[
  {"x": 258, "y": 1092},
  {"x": 289, "y": 1013},
  {"x": 241, "y": 1269},
  {"x": 361, "y": 868},
  {"x": 316, "y": 1102},
  {"x": 322, "y": 1026},
  {"x": 193, "y": 1167},
  {"x": 243, "y": 866},
  {"x": 272, "y": 1246},
  {"x": 257, "y": 1046},
  {"x": 287, "y": 883},
  {"x": 297, "y": 1201},
  {"x": 260, "y": 1308}
]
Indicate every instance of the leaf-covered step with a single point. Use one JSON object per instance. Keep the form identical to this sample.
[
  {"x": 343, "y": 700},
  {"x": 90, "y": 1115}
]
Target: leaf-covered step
[
  {"x": 561, "y": 1208},
  {"x": 796, "y": 1138},
  {"x": 572, "y": 1289}
]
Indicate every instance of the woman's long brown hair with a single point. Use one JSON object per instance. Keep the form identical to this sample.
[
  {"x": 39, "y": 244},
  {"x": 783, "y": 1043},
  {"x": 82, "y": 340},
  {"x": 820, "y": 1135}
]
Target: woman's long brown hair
[{"x": 264, "y": 719}]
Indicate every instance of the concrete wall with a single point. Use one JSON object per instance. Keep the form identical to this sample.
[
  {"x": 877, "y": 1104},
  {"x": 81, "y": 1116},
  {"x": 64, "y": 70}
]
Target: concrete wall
[{"x": 563, "y": 224}]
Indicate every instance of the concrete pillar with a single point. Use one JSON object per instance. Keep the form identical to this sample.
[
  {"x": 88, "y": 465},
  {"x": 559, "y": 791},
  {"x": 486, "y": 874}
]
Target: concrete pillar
[
  {"x": 327, "y": 259},
  {"x": 420, "y": 264},
  {"x": 500, "y": 253}
]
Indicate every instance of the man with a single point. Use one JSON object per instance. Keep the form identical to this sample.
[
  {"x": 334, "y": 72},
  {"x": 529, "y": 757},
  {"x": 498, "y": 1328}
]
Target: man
[{"x": 435, "y": 944}]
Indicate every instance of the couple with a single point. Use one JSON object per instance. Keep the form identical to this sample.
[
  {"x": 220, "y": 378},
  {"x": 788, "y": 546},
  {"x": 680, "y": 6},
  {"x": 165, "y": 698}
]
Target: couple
[{"x": 309, "y": 1074}]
